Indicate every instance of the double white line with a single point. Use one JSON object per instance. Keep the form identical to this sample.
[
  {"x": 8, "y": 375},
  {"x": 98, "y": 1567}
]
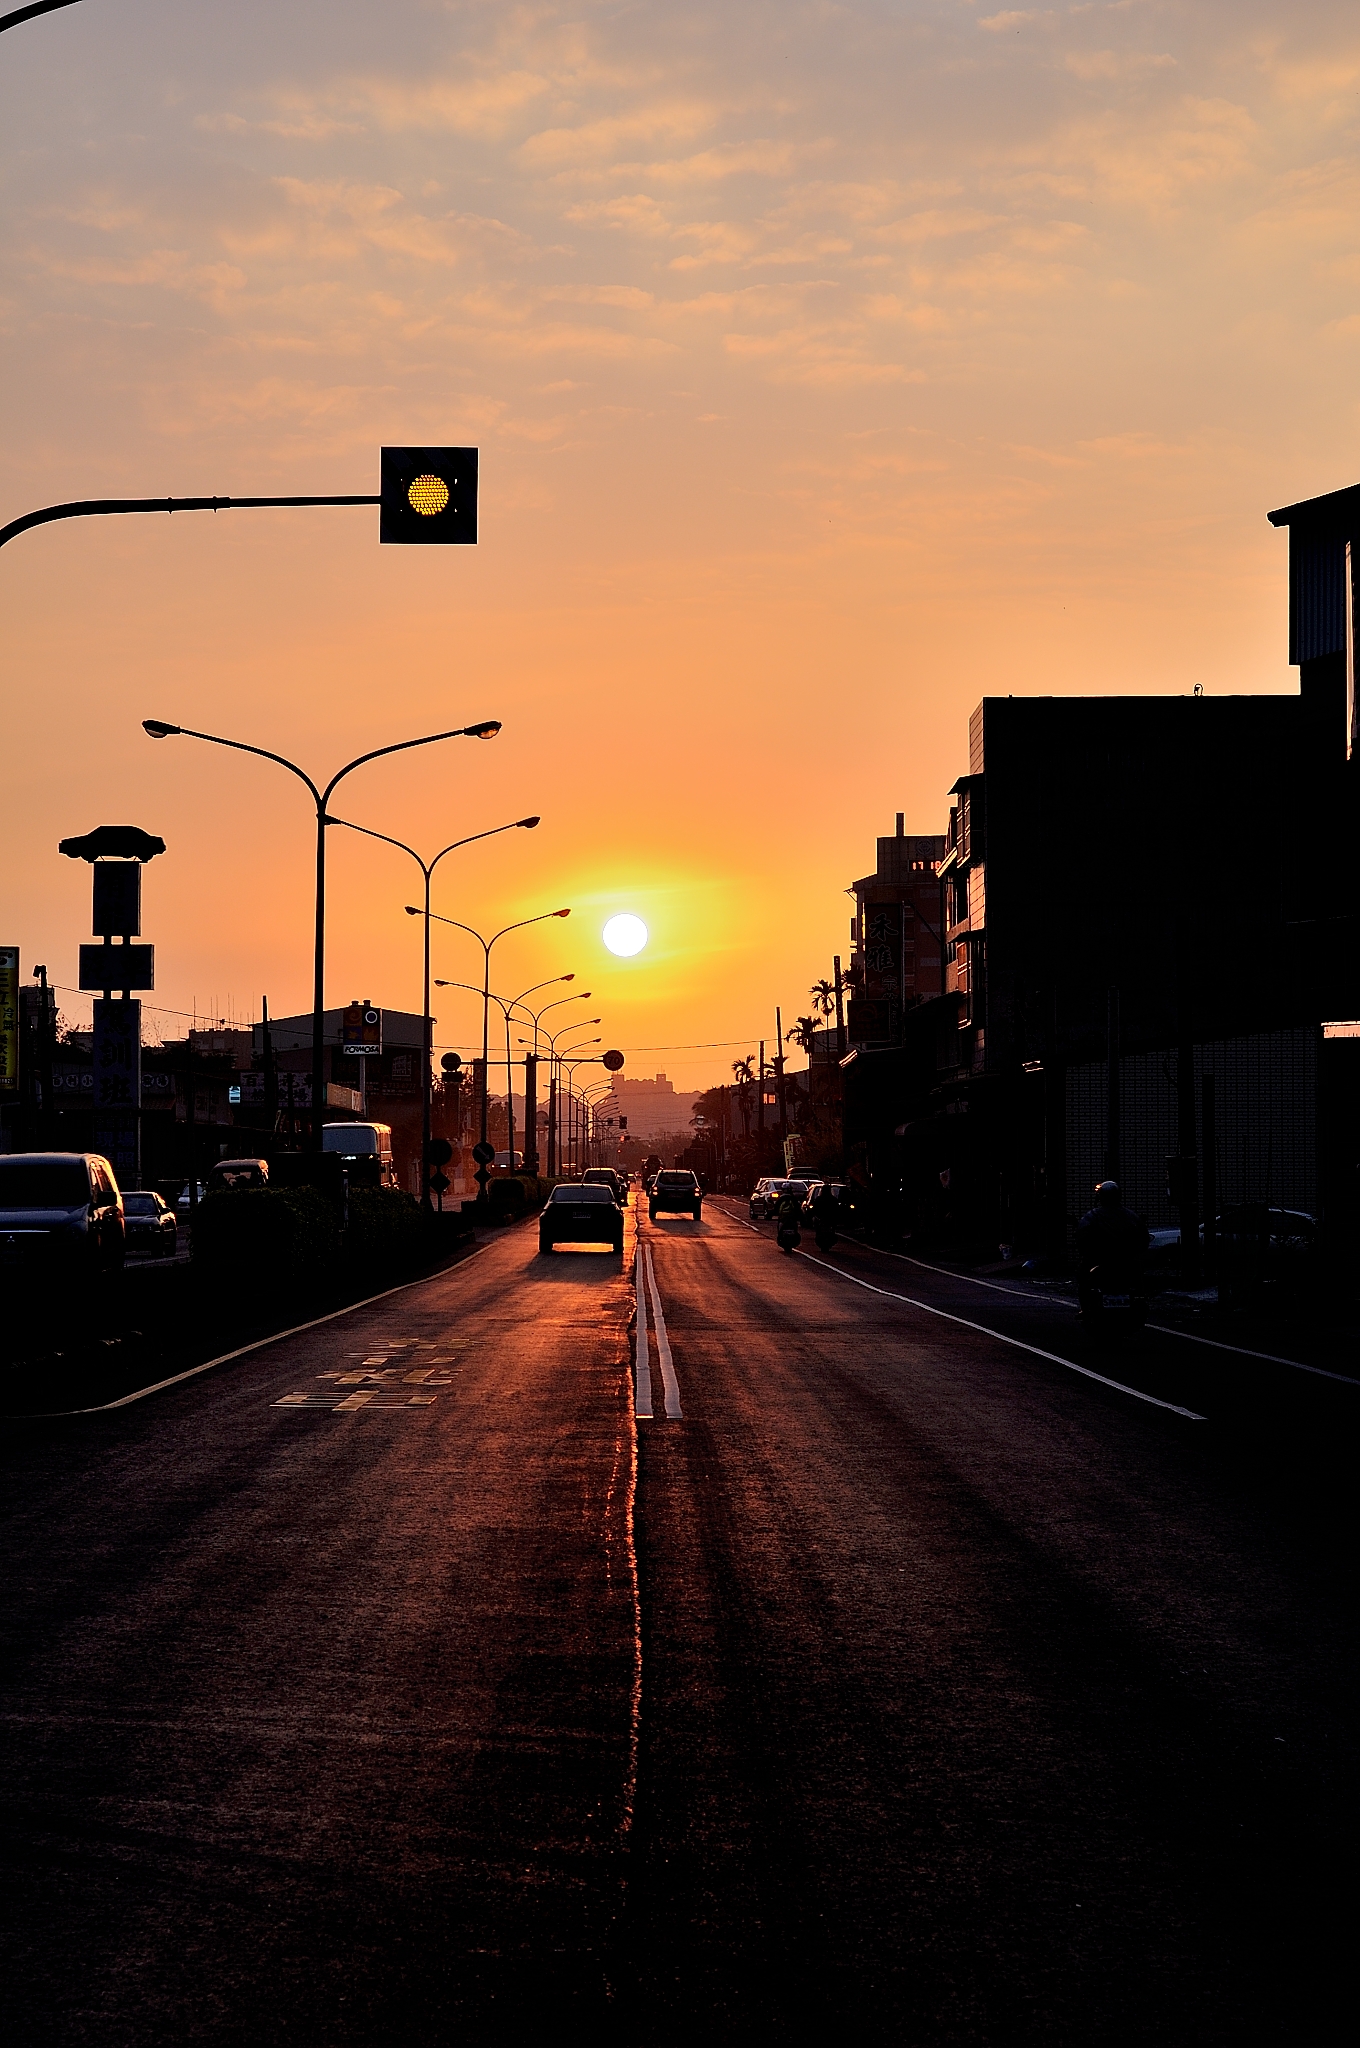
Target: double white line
[{"x": 645, "y": 1282}]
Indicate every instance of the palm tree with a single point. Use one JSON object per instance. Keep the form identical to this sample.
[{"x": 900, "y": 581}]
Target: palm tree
[
  {"x": 803, "y": 1031},
  {"x": 823, "y": 994},
  {"x": 745, "y": 1072}
]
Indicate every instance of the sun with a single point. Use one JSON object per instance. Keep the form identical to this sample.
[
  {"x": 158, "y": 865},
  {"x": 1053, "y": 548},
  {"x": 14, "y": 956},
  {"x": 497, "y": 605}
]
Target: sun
[{"x": 625, "y": 934}]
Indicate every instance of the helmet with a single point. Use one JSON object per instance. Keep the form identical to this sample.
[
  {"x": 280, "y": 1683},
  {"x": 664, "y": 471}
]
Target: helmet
[{"x": 1107, "y": 1193}]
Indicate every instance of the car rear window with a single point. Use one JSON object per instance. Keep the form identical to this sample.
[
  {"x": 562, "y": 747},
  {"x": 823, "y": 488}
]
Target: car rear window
[
  {"x": 581, "y": 1194},
  {"x": 140, "y": 1205},
  {"x": 675, "y": 1180},
  {"x": 43, "y": 1184}
]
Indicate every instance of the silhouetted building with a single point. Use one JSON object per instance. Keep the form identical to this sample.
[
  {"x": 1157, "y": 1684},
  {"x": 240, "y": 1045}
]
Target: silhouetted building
[{"x": 895, "y": 933}]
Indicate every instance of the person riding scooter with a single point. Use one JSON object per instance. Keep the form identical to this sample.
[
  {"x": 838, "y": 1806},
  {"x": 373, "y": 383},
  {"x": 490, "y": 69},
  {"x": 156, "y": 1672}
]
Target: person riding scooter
[
  {"x": 825, "y": 1213},
  {"x": 787, "y": 1214},
  {"x": 1112, "y": 1246}
]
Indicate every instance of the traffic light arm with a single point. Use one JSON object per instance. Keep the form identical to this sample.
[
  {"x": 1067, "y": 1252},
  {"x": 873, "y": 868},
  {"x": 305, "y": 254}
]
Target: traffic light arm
[{"x": 95, "y": 508}]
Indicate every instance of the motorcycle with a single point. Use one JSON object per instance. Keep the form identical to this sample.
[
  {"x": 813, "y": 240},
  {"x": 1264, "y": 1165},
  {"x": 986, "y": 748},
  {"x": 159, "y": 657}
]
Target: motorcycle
[
  {"x": 826, "y": 1233},
  {"x": 789, "y": 1236},
  {"x": 1113, "y": 1299}
]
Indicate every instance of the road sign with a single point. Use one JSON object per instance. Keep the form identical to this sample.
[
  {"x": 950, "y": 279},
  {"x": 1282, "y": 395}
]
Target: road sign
[
  {"x": 438, "y": 1152},
  {"x": 612, "y": 1060},
  {"x": 106, "y": 967},
  {"x": 441, "y": 1183},
  {"x": 361, "y": 1036},
  {"x": 429, "y": 497},
  {"x": 483, "y": 1153},
  {"x": 451, "y": 1062},
  {"x": 9, "y": 1016}
]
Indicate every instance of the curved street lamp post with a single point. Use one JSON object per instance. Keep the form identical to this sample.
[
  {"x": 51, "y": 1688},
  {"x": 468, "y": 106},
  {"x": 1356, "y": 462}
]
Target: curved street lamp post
[
  {"x": 160, "y": 729},
  {"x": 507, "y": 1010},
  {"x": 486, "y": 945},
  {"x": 427, "y": 870}
]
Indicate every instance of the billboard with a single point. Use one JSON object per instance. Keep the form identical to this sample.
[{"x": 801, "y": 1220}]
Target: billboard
[{"x": 361, "y": 1034}]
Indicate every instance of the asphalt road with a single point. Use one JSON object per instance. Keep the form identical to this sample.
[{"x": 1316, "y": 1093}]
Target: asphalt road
[{"x": 910, "y": 1667}]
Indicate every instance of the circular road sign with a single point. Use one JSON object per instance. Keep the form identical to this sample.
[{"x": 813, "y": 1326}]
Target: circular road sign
[
  {"x": 440, "y": 1152},
  {"x": 612, "y": 1060},
  {"x": 451, "y": 1062},
  {"x": 484, "y": 1154}
]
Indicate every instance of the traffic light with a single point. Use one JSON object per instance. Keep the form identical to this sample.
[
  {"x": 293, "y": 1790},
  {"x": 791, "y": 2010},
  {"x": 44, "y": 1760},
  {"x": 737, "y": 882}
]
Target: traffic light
[{"x": 429, "y": 497}]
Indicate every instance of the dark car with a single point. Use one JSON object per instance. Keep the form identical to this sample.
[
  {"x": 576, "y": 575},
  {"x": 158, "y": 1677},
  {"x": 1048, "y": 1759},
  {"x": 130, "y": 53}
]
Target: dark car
[
  {"x": 60, "y": 1208},
  {"x": 149, "y": 1225},
  {"x": 606, "y": 1177},
  {"x": 675, "y": 1189},
  {"x": 580, "y": 1212},
  {"x": 238, "y": 1173}
]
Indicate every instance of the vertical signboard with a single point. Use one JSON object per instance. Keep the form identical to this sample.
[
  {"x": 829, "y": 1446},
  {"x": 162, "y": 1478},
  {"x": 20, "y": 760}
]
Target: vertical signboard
[
  {"x": 118, "y": 1085},
  {"x": 9, "y": 1017}
]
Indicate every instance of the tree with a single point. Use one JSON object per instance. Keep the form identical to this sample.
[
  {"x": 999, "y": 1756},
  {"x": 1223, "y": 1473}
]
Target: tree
[
  {"x": 823, "y": 995},
  {"x": 745, "y": 1072},
  {"x": 803, "y": 1031}
]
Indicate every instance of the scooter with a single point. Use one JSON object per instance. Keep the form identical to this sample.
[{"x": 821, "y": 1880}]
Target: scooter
[
  {"x": 1113, "y": 1298},
  {"x": 826, "y": 1233},
  {"x": 790, "y": 1237}
]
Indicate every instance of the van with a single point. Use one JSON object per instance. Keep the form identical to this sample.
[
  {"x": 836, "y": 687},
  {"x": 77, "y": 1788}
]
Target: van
[{"x": 366, "y": 1150}]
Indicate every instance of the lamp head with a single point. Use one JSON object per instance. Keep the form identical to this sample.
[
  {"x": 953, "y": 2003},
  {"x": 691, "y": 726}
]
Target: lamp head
[
  {"x": 485, "y": 730},
  {"x": 411, "y": 910},
  {"x": 528, "y": 824},
  {"x": 568, "y": 977},
  {"x": 158, "y": 728},
  {"x": 561, "y": 913}
]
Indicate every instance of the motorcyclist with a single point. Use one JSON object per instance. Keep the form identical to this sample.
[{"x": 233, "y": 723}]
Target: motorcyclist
[
  {"x": 825, "y": 1213},
  {"x": 1112, "y": 1246},
  {"x": 787, "y": 1216}
]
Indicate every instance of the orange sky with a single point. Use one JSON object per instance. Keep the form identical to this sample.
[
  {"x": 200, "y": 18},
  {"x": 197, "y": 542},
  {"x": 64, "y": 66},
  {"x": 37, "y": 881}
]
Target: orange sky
[{"x": 831, "y": 366}]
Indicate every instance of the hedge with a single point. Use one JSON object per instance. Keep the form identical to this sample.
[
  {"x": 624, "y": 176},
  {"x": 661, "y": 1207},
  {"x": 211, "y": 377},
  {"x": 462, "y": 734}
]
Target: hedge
[{"x": 266, "y": 1238}]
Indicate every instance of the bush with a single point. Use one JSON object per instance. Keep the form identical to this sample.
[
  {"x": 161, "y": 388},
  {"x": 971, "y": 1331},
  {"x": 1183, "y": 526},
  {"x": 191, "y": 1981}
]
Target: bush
[
  {"x": 386, "y": 1229},
  {"x": 512, "y": 1195},
  {"x": 266, "y": 1239}
]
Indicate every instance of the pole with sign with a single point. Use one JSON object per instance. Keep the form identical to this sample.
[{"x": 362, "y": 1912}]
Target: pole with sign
[{"x": 9, "y": 1018}]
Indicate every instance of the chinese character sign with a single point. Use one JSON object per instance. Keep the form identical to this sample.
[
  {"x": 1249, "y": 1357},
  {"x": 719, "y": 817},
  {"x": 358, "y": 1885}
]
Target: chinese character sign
[{"x": 9, "y": 1016}]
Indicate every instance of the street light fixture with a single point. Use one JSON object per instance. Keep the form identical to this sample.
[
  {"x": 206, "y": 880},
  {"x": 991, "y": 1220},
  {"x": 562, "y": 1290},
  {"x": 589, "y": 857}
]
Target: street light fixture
[
  {"x": 161, "y": 729},
  {"x": 427, "y": 870},
  {"x": 27, "y": 13},
  {"x": 486, "y": 945}
]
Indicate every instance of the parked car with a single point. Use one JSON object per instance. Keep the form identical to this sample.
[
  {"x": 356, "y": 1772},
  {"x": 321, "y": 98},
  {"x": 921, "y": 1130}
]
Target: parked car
[
  {"x": 675, "y": 1188},
  {"x": 579, "y": 1212},
  {"x": 183, "y": 1205},
  {"x": 60, "y": 1208},
  {"x": 149, "y": 1225},
  {"x": 606, "y": 1177},
  {"x": 237, "y": 1173}
]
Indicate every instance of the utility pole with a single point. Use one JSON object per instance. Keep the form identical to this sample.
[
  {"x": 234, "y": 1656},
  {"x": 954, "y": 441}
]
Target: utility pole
[
  {"x": 840, "y": 1009},
  {"x": 760, "y": 1100},
  {"x": 779, "y": 1076}
]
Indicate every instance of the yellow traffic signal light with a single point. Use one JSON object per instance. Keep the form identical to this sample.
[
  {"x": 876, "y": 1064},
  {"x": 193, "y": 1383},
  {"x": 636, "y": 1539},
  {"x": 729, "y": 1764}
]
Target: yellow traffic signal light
[{"x": 429, "y": 497}]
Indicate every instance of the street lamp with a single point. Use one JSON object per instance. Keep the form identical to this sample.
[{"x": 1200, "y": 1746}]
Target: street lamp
[
  {"x": 427, "y": 869},
  {"x": 506, "y": 1009},
  {"x": 159, "y": 729},
  {"x": 571, "y": 1065},
  {"x": 486, "y": 945}
]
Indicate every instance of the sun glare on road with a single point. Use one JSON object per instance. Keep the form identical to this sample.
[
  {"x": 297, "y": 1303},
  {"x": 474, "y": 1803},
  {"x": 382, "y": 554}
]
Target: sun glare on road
[{"x": 625, "y": 934}]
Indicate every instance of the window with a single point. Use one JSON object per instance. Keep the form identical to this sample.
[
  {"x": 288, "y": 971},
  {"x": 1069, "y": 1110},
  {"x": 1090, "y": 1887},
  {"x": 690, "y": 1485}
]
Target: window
[{"x": 42, "y": 1184}]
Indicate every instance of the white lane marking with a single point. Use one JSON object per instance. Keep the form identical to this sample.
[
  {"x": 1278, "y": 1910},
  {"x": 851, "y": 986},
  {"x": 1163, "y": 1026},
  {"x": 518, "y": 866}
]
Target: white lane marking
[
  {"x": 663, "y": 1348},
  {"x": 1019, "y": 1293},
  {"x": 279, "y": 1337},
  {"x": 1015, "y": 1342},
  {"x": 1269, "y": 1356},
  {"x": 1056, "y": 1301},
  {"x": 642, "y": 1381}
]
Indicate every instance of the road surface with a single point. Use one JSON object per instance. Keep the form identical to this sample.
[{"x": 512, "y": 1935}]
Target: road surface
[{"x": 901, "y": 1666}]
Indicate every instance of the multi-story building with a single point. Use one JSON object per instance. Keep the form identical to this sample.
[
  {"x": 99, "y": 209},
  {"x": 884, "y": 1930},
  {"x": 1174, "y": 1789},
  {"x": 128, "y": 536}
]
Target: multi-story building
[
  {"x": 895, "y": 936},
  {"x": 653, "y": 1107}
]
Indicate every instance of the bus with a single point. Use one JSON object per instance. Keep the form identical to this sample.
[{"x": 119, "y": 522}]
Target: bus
[{"x": 366, "y": 1150}]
